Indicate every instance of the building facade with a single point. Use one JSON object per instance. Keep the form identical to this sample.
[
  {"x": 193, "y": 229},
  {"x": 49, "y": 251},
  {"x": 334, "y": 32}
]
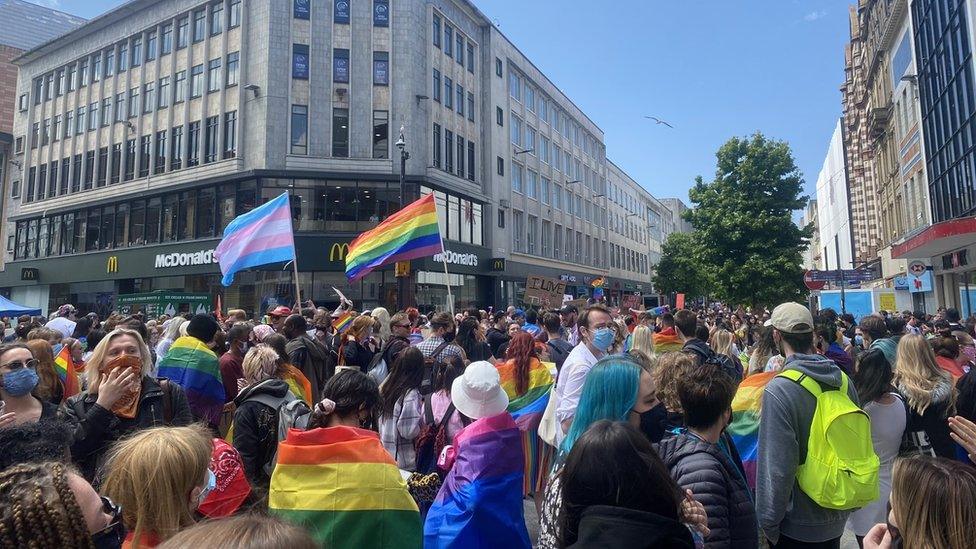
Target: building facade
[
  {"x": 148, "y": 129},
  {"x": 678, "y": 223},
  {"x": 634, "y": 226},
  {"x": 812, "y": 258},
  {"x": 833, "y": 217}
]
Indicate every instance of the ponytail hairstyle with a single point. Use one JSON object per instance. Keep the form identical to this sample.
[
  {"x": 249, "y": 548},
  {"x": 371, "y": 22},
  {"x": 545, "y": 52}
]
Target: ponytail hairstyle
[
  {"x": 40, "y": 509},
  {"x": 349, "y": 392}
]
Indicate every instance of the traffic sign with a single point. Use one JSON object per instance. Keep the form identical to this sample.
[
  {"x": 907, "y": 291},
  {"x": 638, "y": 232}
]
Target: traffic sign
[
  {"x": 812, "y": 284},
  {"x": 848, "y": 276}
]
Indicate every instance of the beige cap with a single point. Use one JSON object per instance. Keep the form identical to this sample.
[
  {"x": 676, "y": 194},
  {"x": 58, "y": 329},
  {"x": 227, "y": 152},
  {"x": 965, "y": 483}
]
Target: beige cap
[{"x": 791, "y": 318}]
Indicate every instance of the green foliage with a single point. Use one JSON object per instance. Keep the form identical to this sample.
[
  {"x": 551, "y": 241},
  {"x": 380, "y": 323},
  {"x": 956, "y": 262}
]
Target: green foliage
[
  {"x": 743, "y": 223},
  {"x": 681, "y": 269}
]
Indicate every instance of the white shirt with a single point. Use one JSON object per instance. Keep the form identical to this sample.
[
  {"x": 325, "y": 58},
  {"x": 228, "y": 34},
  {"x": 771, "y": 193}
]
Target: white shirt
[
  {"x": 569, "y": 386},
  {"x": 62, "y": 324}
]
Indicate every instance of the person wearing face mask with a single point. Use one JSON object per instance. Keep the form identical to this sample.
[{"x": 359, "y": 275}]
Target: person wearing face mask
[
  {"x": 232, "y": 362},
  {"x": 596, "y": 337},
  {"x": 159, "y": 477},
  {"x": 50, "y": 504},
  {"x": 357, "y": 348},
  {"x": 18, "y": 377},
  {"x": 121, "y": 399},
  {"x": 697, "y": 462}
]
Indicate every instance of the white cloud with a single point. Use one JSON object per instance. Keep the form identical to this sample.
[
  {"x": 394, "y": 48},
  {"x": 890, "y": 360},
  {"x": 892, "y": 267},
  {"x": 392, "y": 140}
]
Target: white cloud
[{"x": 812, "y": 16}]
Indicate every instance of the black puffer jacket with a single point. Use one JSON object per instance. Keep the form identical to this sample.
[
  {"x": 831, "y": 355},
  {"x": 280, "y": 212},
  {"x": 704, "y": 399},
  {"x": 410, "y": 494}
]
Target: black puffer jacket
[
  {"x": 256, "y": 429},
  {"x": 605, "y": 527},
  {"x": 718, "y": 485}
]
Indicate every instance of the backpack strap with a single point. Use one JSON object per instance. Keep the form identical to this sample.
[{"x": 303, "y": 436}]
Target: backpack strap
[
  {"x": 428, "y": 411},
  {"x": 378, "y": 357},
  {"x": 447, "y": 417},
  {"x": 440, "y": 348},
  {"x": 806, "y": 381},
  {"x": 167, "y": 388}
]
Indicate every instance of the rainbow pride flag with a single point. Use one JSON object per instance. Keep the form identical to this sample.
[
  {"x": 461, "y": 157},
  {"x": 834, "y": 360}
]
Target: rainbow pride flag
[
  {"x": 480, "y": 502},
  {"x": 258, "y": 237},
  {"x": 527, "y": 412},
  {"x": 344, "y": 487},
  {"x": 411, "y": 233},
  {"x": 342, "y": 322},
  {"x": 744, "y": 429},
  {"x": 64, "y": 365},
  {"x": 667, "y": 342},
  {"x": 195, "y": 368}
]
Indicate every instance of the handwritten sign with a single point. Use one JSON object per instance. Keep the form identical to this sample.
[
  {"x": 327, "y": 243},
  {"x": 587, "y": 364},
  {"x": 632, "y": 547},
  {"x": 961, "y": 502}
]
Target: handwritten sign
[{"x": 543, "y": 292}]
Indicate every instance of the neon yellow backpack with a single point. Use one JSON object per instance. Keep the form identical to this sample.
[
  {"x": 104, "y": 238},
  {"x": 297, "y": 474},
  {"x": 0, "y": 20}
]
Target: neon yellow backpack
[{"x": 841, "y": 468}]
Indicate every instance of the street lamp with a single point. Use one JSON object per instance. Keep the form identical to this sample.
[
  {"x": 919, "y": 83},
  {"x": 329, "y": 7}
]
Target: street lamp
[
  {"x": 523, "y": 151},
  {"x": 404, "y": 155}
]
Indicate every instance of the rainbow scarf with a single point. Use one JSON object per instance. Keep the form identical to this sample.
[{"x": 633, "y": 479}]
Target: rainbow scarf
[
  {"x": 343, "y": 486},
  {"x": 744, "y": 429},
  {"x": 480, "y": 503},
  {"x": 667, "y": 342},
  {"x": 64, "y": 365},
  {"x": 527, "y": 412},
  {"x": 195, "y": 368}
]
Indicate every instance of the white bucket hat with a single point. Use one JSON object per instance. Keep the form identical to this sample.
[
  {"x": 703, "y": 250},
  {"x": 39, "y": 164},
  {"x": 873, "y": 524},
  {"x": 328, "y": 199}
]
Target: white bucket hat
[{"x": 477, "y": 393}]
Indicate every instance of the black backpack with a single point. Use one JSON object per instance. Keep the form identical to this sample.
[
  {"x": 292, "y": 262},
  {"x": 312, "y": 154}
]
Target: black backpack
[
  {"x": 559, "y": 349},
  {"x": 432, "y": 364},
  {"x": 433, "y": 437}
]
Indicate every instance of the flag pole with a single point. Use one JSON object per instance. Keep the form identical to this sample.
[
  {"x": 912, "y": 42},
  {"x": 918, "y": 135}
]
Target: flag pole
[
  {"x": 447, "y": 276},
  {"x": 294, "y": 261}
]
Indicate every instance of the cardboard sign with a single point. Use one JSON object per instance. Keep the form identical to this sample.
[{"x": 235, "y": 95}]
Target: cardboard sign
[
  {"x": 679, "y": 301},
  {"x": 543, "y": 292},
  {"x": 630, "y": 301}
]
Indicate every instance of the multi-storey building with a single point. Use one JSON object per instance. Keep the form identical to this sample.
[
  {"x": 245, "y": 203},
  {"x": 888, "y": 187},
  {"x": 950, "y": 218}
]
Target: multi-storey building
[
  {"x": 634, "y": 218},
  {"x": 833, "y": 219},
  {"x": 812, "y": 258},
  {"x": 678, "y": 223},
  {"x": 151, "y": 127}
]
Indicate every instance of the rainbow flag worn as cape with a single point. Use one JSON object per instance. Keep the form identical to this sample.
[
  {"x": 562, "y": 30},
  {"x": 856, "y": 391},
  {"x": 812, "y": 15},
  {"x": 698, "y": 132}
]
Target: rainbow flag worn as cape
[
  {"x": 480, "y": 502},
  {"x": 666, "y": 343},
  {"x": 527, "y": 412},
  {"x": 744, "y": 429},
  {"x": 195, "y": 368},
  {"x": 344, "y": 487},
  {"x": 411, "y": 233},
  {"x": 64, "y": 365}
]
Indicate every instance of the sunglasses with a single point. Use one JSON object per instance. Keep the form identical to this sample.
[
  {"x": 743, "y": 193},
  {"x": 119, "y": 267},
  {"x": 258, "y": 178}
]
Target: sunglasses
[
  {"x": 16, "y": 365},
  {"x": 113, "y": 510}
]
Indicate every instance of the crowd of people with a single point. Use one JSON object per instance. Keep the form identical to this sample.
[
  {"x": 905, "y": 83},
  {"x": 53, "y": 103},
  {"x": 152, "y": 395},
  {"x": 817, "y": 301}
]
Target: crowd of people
[{"x": 706, "y": 427}]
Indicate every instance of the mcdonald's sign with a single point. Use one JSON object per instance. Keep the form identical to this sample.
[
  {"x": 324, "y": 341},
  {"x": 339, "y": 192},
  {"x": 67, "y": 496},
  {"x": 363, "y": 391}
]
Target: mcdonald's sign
[
  {"x": 30, "y": 273},
  {"x": 112, "y": 264},
  {"x": 339, "y": 251},
  {"x": 497, "y": 265}
]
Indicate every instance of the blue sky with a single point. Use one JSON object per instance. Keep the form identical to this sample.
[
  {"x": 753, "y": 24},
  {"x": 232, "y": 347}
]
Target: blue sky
[{"x": 713, "y": 69}]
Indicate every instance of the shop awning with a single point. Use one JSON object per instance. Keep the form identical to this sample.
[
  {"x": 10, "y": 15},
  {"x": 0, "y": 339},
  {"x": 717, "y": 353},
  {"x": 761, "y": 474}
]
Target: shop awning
[
  {"x": 938, "y": 239},
  {"x": 9, "y": 308}
]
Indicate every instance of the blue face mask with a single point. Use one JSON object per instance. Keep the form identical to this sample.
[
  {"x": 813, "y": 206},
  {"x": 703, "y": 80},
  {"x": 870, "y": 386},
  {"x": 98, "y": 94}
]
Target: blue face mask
[
  {"x": 859, "y": 341},
  {"x": 20, "y": 381},
  {"x": 211, "y": 484},
  {"x": 603, "y": 339}
]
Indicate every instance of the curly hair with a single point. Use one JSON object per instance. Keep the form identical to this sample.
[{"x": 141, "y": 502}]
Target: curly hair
[
  {"x": 671, "y": 366},
  {"x": 39, "y": 509},
  {"x": 521, "y": 351}
]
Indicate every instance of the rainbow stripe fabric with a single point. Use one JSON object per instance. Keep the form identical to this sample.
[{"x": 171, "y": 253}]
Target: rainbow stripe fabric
[
  {"x": 744, "y": 429},
  {"x": 64, "y": 365},
  {"x": 411, "y": 233},
  {"x": 666, "y": 342},
  {"x": 195, "y": 368},
  {"x": 527, "y": 412},
  {"x": 258, "y": 237},
  {"x": 342, "y": 322},
  {"x": 344, "y": 487},
  {"x": 480, "y": 502}
]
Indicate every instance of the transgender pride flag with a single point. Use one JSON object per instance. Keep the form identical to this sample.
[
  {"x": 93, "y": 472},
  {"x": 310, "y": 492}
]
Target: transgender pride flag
[{"x": 259, "y": 237}]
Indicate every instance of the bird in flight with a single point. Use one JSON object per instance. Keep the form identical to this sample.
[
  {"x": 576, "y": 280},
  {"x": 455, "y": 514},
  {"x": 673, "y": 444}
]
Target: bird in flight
[{"x": 659, "y": 121}]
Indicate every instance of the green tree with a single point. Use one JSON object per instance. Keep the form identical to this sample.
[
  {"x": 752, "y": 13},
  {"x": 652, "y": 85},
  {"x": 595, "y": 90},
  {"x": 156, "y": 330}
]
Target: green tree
[
  {"x": 681, "y": 270},
  {"x": 743, "y": 223}
]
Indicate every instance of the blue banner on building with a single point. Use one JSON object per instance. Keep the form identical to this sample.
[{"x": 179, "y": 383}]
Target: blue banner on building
[
  {"x": 299, "y": 61},
  {"x": 341, "y": 11},
  {"x": 340, "y": 67},
  {"x": 302, "y": 10},
  {"x": 381, "y": 13}
]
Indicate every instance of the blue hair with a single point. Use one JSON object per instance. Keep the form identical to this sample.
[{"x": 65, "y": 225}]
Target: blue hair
[{"x": 609, "y": 392}]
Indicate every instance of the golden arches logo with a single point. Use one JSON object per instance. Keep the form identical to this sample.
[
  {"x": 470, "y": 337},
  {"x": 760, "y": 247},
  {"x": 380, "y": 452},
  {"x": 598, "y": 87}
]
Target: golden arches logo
[
  {"x": 112, "y": 265},
  {"x": 339, "y": 252}
]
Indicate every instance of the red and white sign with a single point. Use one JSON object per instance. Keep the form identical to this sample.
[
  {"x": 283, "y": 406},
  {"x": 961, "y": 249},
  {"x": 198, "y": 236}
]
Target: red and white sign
[{"x": 811, "y": 283}]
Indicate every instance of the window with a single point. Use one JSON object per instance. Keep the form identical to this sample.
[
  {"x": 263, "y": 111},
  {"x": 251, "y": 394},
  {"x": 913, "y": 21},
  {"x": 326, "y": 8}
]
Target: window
[
  {"x": 532, "y": 184},
  {"x": 193, "y": 144},
  {"x": 381, "y": 68},
  {"x": 167, "y": 39},
  {"x": 448, "y": 40},
  {"x": 299, "y": 61},
  {"x": 76, "y": 173},
  {"x": 116, "y": 166},
  {"x": 557, "y": 154},
  {"x": 15, "y": 189},
  {"x": 546, "y": 237},
  {"x": 92, "y": 119},
  {"x": 179, "y": 88},
  {"x": 340, "y": 132},
  {"x": 341, "y": 11},
  {"x": 235, "y": 14},
  {"x": 471, "y": 106},
  {"x": 381, "y": 134},
  {"x": 199, "y": 25},
  {"x": 149, "y": 97},
  {"x": 460, "y": 99},
  {"x": 545, "y": 190},
  {"x": 59, "y": 85},
  {"x": 516, "y": 125},
  {"x": 543, "y": 109},
  {"x": 145, "y": 155},
  {"x": 448, "y": 151},
  {"x": 515, "y": 86},
  {"x": 213, "y": 75},
  {"x": 164, "y": 92},
  {"x": 544, "y": 149},
  {"x": 501, "y": 219},
  {"x": 340, "y": 65},
  {"x": 459, "y": 49},
  {"x": 31, "y": 174},
  {"x": 136, "y": 51},
  {"x": 437, "y": 85},
  {"x": 159, "y": 166},
  {"x": 175, "y": 148},
  {"x": 517, "y": 230},
  {"x": 448, "y": 93},
  {"x": 89, "y": 169},
  {"x": 19, "y": 143},
  {"x": 530, "y": 98},
  {"x": 532, "y": 234},
  {"x": 436, "y": 31},
  {"x": 557, "y": 197},
  {"x": 71, "y": 79},
  {"x": 196, "y": 81},
  {"x": 460, "y": 156},
  {"x": 150, "y": 45},
  {"x": 498, "y": 67},
  {"x": 500, "y": 165},
  {"x": 182, "y": 30},
  {"x": 96, "y": 74},
  {"x": 470, "y": 50},
  {"x": 517, "y": 178},
  {"x": 530, "y": 140},
  {"x": 102, "y": 166},
  {"x": 56, "y": 128},
  {"x": 82, "y": 79},
  {"x": 233, "y": 61},
  {"x": 120, "y": 111},
  {"x": 471, "y": 160},
  {"x": 299, "y": 129},
  {"x": 437, "y": 146},
  {"x": 230, "y": 135},
  {"x": 381, "y": 13},
  {"x": 216, "y": 19},
  {"x": 499, "y": 116},
  {"x": 106, "y": 112},
  {"x": 210, "y": 139}
]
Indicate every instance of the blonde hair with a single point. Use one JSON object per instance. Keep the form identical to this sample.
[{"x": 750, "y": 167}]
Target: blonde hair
[
  {"x": 260, "y": 364},
  {"x": 100, "y": 355},
  {"x": 359, "y": 326},
  {"x": 250, "y": 531},
  {"x": 151, "y": 475},
  {"x": 934, "y": 502},
  {"x": 671, "y": 366},
  {"x": 917, "y": 374},
  {"x": 721, "y": 341},
  {"x": 643, "y": 340},
  {"x": 383, "y": 317},
  {"x": 237, "y": 313}
]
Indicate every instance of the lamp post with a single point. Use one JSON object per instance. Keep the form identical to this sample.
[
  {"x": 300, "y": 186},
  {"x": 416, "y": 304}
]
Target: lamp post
[{"x": 402, "y": 281}]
